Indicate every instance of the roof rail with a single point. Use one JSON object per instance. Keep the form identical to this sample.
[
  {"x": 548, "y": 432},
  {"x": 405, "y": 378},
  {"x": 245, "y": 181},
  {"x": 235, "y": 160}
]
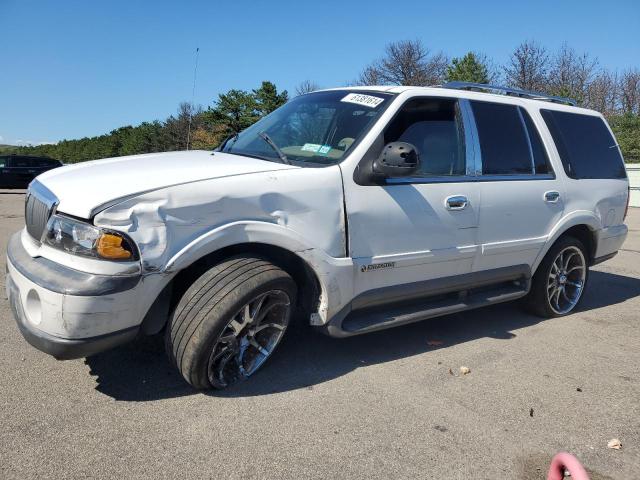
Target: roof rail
[{"x": 509, "y": 91}]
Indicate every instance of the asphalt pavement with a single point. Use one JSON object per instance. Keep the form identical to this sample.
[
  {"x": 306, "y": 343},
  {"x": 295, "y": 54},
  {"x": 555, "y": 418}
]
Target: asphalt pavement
[{"x": 380, "y": 406}]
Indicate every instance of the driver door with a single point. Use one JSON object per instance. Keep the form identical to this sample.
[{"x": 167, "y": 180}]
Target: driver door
[{"x": 410, "y": 230}]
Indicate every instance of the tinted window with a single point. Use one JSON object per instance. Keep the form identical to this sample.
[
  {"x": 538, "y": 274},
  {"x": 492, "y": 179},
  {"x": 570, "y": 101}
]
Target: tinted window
[
  {"x": 21, "y": 162},
  {"x": 503, "y": 141},
  {"x": 540, "y": 158},
  {"x": 45, "y": 162},
  {"x": 434, "y": 127},
  {"x": 3, "y": 162},
  {"x": 586, "y": 147}
]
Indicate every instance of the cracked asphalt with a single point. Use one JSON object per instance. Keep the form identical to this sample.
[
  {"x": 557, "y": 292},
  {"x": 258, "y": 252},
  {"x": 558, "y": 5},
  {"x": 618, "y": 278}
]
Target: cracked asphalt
[{"x": 377, "y": 406}]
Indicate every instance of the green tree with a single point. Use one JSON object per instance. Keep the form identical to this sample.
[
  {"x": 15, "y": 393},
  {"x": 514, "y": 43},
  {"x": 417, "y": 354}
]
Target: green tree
[
  {"x": 232, "y": 112},
  {"x": 627, "y": 131},
  {"x": 268, "y": 99},
  {"x": 236, "y": 109},
  {"x": 145, "y": 138},
  {"x": 470, "y": 68}
]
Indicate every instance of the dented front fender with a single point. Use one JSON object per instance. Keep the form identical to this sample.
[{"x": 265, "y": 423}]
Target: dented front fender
[{"x": 301, "y": 210}]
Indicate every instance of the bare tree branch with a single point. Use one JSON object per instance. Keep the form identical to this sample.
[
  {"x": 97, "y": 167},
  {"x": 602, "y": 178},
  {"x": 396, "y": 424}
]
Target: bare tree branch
[
  {"x": 527, "y": 67},
  {"x": 307, "y": 86},
  {"x": 407, "y": 62},
  {"x": 571, "y": 74},
  {"x": 630, "y": 91},
  {"x": 603, "y": 93}
]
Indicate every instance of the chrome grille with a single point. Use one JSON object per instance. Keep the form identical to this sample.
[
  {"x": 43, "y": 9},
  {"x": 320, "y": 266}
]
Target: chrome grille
[{"x": 38, "y": 207}]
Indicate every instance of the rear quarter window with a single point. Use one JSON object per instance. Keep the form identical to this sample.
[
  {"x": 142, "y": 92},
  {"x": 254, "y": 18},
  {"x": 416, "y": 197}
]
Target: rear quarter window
[
  {"x": 585, "y": 145},
  {"x": 47, "y": 162}
]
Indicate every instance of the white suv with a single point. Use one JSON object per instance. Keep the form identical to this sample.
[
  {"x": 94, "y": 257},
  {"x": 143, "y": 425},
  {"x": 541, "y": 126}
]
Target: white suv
[{"x": 352, "y": 209}]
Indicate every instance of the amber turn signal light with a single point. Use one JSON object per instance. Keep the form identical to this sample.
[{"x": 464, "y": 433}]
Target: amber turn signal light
[{"x": 110, "y": 246}]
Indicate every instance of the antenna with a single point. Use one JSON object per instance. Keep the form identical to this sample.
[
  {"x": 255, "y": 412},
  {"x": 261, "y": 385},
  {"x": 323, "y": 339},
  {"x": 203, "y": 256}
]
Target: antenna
[{"x": 193, "y": 94}]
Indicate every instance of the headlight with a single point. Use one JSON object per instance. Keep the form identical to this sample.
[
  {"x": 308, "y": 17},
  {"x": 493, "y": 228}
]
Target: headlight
[{"x": 80, "y": 238}]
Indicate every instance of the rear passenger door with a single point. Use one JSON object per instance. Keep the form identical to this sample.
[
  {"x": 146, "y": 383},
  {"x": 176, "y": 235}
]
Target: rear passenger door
[{"x": 522, "y": 199}]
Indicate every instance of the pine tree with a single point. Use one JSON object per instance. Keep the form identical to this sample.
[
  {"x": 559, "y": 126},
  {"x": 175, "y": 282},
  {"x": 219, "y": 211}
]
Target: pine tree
[
  {"x": 470, "y": 68},
  {"x": 268, "y": 99}
]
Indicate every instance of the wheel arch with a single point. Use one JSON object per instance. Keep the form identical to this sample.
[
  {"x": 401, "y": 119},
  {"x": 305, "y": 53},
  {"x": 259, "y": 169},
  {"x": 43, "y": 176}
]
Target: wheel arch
[
  {"x": 582, "y": 227},
  {"x": 314, "y": 272},
  {"x": 303, "y": 274},
  {"x": 587, "y": 236}
]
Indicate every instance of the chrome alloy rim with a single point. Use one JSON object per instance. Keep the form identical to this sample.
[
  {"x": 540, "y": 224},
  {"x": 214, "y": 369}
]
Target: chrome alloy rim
[
  {"x": 249, "y": 338},
  {"x": 566, "y": 280}
]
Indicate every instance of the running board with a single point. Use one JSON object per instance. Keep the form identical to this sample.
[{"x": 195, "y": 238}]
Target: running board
[{"x": 373, "y": 319}]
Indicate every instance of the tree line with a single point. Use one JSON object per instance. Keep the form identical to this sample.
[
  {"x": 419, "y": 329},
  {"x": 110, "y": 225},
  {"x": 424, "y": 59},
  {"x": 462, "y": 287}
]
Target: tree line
[
  {"x": 564, "y": 73},
  {"x": 530, "y": 66},
  {"x": 192, "y": 127}
]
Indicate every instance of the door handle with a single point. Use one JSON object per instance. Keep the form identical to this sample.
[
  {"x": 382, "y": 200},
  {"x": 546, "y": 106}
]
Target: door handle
[
  {"x": 456, "y": 202},
  {"x": 551, "y": 197}
]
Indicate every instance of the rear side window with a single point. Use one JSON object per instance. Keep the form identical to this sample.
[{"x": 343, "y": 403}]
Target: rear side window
[
  {"x": 3, "y": 162},
  {"x": 508, "y": 145},
  {"x": 586, "y": 147},
  {"x": 46, "y": 162}
]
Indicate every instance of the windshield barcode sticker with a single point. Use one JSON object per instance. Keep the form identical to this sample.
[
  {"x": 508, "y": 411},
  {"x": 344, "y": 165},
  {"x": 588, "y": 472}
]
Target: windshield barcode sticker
[{"x": 364, "y": 100}]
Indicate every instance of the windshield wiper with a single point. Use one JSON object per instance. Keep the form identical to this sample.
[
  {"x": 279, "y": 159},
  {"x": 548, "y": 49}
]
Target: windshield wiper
[{"x": 272, "y": 144}]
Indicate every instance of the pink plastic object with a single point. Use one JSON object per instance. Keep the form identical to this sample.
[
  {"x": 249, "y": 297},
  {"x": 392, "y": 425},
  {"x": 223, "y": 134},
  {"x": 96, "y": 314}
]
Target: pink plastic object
[{"x": 565, "y": 461}]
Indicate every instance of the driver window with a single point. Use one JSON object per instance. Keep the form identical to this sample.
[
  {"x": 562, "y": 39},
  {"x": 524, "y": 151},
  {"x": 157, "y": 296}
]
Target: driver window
[{"x": 434, "y": 127}]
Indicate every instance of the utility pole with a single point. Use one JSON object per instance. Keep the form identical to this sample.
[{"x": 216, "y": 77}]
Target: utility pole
[{"x": 193, "y": 94}]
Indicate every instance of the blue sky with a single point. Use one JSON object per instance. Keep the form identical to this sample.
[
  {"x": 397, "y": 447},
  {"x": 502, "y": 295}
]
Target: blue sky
[{"x": 79, "y": 68}]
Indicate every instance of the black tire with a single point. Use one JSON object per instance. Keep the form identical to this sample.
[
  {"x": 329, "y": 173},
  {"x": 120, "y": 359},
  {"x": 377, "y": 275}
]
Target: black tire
[
  {"x": 537, "y": 301},
  {"x": 210, "y": 304}
]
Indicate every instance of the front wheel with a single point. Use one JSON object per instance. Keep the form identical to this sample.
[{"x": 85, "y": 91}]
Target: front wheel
[
  {"x": 229, "y": 322},
  {"x": 559, "y": 282}
]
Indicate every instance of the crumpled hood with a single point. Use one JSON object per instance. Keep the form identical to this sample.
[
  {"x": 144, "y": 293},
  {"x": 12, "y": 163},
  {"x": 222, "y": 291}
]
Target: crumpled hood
[{"x": 84, "y": 187}]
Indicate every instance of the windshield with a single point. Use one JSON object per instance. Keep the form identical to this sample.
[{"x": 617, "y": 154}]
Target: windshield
[{"x": 316, "y": 128}]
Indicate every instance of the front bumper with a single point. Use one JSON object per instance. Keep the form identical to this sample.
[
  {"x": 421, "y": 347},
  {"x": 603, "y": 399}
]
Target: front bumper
[{"x": 67, "y": 313}]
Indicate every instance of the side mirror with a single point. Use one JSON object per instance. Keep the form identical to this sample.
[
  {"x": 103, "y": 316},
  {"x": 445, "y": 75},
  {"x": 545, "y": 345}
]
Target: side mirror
[{"x": 397, "y": 159}]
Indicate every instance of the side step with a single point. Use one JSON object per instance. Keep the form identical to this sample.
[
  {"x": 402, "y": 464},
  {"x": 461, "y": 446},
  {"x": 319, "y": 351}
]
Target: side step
[{"x": 372, "y": 319}]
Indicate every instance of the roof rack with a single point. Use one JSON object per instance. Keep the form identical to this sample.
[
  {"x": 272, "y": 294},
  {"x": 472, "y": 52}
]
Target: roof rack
[{"x": 509, "y": 91}]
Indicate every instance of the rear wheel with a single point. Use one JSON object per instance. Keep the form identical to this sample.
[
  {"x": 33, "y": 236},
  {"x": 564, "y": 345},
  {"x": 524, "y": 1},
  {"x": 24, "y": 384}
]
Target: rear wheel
[
  {"x": 559, "y": 282},
  {"x": 230, "y": 321}
]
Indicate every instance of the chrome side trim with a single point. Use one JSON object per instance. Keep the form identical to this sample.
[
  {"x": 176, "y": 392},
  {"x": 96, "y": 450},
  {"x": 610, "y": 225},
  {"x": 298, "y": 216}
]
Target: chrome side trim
[
  {"x": 466, "y": 178},
  {"x": 474, "y": 153},
  {"x": 520, "y": 177},
  {"x": 451, "y": 179}
]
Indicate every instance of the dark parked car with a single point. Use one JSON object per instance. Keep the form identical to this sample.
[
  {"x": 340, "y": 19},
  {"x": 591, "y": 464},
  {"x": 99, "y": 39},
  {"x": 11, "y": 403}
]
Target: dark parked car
[{"x": 17, "y": 171}]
